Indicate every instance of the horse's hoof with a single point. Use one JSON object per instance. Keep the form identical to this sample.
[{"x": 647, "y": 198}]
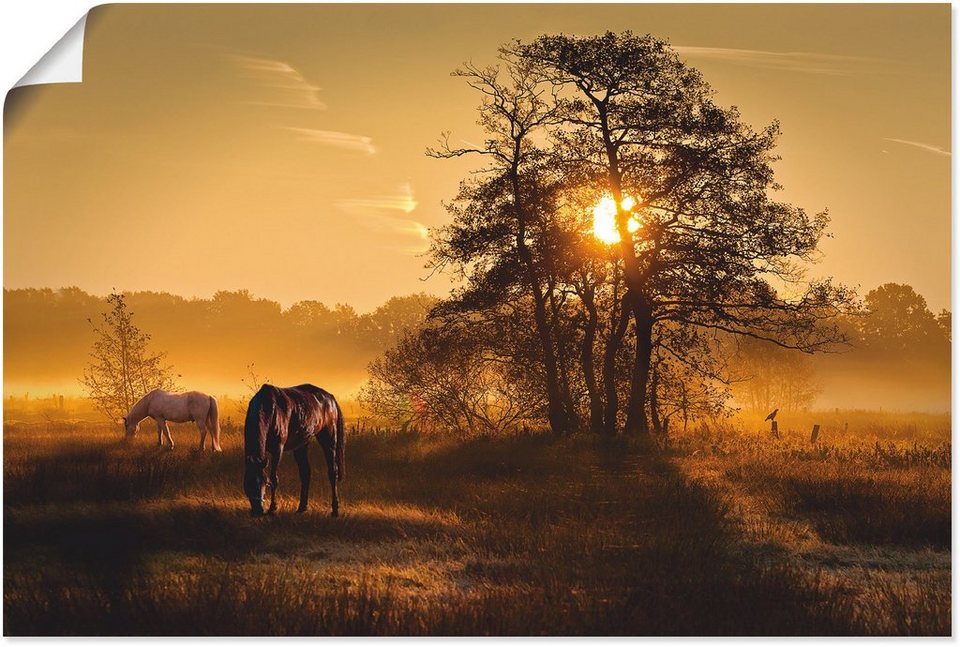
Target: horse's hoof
[{"x": 335, "y": 513}]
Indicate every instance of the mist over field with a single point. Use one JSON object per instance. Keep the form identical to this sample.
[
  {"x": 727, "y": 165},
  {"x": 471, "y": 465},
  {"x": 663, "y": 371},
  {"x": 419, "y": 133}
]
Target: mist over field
[
  {"x": 212, "y": 342},
  {"x": 209, "y": 342}
]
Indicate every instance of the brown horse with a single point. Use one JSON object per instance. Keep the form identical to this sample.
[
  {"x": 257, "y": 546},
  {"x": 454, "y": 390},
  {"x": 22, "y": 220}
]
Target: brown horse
[{"x": 281, "y": 420}]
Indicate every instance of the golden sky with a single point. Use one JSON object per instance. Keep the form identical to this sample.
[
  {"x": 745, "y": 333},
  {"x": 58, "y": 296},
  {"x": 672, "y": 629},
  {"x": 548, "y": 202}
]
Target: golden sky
[{"x": 280, "y": 148}]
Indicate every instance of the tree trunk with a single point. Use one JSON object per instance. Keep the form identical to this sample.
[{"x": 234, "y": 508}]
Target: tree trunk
[
  {"x": 634, "y": 277},
  {"x": 556, "y": 413},
  {"x": 566, "y": 398},
  {"x": 637, "y": 422},
  {"x": 587, "y": 364},
  {"x": 125, "y": 368},
  {"x": 654, "y": 402},
  {"x": 614, "y": 340}
]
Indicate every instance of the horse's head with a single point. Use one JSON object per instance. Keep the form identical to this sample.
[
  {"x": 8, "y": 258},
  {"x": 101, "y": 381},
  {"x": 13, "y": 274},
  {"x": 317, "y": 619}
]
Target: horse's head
[
  {"x": 129, "y": 427},
  {"x": 255, "y": 483}
]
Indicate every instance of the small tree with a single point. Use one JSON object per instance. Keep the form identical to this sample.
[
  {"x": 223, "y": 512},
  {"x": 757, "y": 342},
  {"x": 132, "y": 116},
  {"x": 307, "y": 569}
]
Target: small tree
[
  {"x": 122, "y": 369},
  {"x": 253, "y": 381},
  {"x": 446, "y": 378}
]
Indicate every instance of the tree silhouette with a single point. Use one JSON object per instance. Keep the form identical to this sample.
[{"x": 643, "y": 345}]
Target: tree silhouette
[
  {"x": 702, "y": 247},
  {"x": 210, "y": 340},
  {"x": 499, "y": 217},
  {"x": 945, "y": 321},
  {"x": 897, "y": 320},
  {"x": 712, "y": 246}
]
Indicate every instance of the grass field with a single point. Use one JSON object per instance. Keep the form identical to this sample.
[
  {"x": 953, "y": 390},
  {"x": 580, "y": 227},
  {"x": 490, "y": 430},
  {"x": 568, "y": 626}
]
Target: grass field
[{"x": 722, "y": 531}]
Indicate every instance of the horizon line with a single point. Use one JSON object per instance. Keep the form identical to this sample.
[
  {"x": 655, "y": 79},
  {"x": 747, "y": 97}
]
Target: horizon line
[{"x": 254, "y": 297}]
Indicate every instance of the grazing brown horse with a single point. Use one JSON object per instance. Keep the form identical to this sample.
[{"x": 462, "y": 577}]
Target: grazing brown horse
[{"x": 281, "y": 420}]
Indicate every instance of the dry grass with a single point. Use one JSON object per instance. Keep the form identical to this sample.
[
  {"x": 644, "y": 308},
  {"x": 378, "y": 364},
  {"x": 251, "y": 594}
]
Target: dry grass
[
  {"x": 515, "y": 536},
  {"x": 867, "y": 513},
  {"x": 850, "y": 505}
]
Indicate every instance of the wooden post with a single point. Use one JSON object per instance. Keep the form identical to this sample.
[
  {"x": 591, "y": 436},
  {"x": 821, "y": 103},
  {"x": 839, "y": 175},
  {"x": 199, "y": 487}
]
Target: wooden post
[
  {"x": 815, "y": 433},
  {"x": 773, "y": 429}
]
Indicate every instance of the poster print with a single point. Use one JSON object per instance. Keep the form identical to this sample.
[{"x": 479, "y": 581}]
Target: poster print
[{"x": 481, "y": 320}]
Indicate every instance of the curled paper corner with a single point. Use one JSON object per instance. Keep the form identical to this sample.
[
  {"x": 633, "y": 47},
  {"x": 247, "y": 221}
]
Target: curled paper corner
[{"x": 63, "y": 63}]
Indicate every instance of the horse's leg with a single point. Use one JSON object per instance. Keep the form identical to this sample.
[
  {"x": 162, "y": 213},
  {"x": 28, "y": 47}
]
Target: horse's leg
[
  {"x": 303, "y": 463},
  {"x": 159, "y": 432},
  {"x": 274, "y": 480},
  {"x": 326, "y": 442},
  {"x": 166, "y": 431},
  {"x": 203, "y": 433}
]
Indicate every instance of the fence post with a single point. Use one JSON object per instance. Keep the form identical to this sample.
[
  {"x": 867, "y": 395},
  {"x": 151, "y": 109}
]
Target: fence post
[
  {"x": 774, "y": 431},
  {"x": 815, "y": 433}
]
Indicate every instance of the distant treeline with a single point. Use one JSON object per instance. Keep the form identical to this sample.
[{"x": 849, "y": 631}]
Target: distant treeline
[
  {"x": 210, "y": 342},
  {"x": 899, "y": 357}
]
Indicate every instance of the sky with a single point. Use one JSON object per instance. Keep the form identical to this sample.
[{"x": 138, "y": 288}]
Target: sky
[{"x": 281, "y": 148}]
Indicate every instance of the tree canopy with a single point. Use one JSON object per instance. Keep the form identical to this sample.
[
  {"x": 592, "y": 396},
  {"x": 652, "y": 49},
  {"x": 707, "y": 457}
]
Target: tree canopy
[{"x": 617, "y": 125}]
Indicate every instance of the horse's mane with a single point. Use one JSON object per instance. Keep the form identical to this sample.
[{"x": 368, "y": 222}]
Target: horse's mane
[
  {"x": 259, "y": 412},
  {"x": 139, "y": 410}
]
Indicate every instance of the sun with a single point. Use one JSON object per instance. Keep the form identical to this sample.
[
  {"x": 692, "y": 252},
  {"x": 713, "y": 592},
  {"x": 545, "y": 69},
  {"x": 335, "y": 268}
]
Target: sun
[{"x": 605, "y": 219}]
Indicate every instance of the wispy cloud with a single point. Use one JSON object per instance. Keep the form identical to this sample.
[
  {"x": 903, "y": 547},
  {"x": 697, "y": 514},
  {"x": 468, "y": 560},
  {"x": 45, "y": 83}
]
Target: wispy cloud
[
  {"x": 403, "y": 201},
  {"x": 806, "y": 62},
  {"x": 417, "y": 235},
  {"x": 930, "y": 148},
  {"x": 379, "y": 213},
  {"x": 279, "y": 84},
  {"x": 284, "y": 85},
  {"x": 335, "y": 138}
]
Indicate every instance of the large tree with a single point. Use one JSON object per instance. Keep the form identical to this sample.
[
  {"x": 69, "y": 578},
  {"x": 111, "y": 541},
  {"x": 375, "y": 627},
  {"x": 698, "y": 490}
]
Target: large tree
[{"x": 701, "y": 241}]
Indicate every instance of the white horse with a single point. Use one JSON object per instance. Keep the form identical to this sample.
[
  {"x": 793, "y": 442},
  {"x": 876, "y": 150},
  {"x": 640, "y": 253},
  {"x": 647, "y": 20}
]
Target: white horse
[{"x": 165, "y": 407}]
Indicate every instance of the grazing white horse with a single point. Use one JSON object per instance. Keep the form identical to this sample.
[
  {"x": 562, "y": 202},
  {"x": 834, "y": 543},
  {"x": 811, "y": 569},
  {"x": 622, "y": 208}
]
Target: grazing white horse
[{"x": 165, "y": 407}]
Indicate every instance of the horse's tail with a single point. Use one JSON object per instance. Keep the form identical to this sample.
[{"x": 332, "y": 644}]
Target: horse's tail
[
  {"x": 341, "y": 469},
  {"x": 213, "y": 422}
]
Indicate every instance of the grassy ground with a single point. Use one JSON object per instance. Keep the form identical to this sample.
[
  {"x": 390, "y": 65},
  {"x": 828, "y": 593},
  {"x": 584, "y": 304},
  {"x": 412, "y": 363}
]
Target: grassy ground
[{"x": 720, "y": 533}]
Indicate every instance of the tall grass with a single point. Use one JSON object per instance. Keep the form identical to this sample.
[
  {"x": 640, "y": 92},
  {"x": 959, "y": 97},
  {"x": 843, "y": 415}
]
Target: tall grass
[{"x": 527, "y": 535}]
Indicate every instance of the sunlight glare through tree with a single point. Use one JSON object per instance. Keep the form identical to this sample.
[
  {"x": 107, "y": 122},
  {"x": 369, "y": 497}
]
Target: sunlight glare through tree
[{"x": 605, "y": 219}]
